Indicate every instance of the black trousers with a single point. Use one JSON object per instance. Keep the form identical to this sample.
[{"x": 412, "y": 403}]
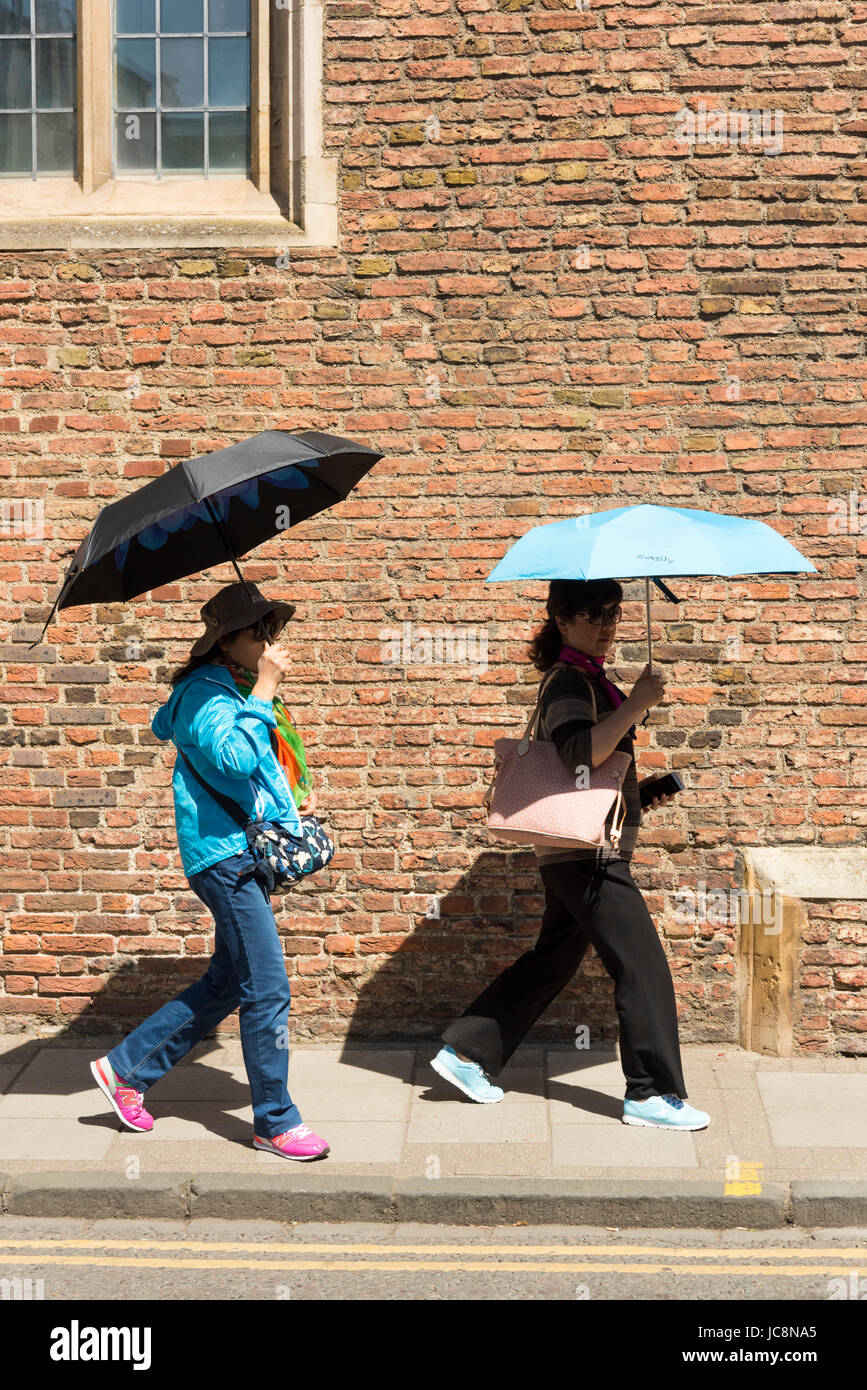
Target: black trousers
[{"x": 585, "y": 903}]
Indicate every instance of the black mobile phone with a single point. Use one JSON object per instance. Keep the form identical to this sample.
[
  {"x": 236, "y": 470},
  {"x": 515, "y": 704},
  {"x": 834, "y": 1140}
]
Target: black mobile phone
[{"x": 666, "y": 785}]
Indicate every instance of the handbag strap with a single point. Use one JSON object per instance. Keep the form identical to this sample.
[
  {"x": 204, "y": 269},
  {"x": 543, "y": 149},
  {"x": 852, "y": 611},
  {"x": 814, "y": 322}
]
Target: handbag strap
[
  {"x": 532, "y": 728},
  {"x": 524, "y": 743},
  {"x": 228, "y": 805}
]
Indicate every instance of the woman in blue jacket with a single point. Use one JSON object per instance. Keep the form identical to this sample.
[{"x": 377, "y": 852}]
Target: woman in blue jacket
[{"x": 239, "y": 745}]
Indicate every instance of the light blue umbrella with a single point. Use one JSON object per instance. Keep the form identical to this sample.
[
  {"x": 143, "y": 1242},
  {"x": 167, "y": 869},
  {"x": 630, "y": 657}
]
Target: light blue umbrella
[{"x": 647, "y": 542}]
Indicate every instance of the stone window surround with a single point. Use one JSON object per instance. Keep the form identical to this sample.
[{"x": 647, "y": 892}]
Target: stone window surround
[{"x": 290, "y": 200}]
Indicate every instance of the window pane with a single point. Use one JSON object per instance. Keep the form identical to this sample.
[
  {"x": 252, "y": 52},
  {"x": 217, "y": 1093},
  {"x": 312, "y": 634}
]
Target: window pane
[
  {"x": 135, "y": 16},
  {"x": 15, "y": 142},
  {"x": 184, "y": 141},
  {"x": 229, "y": 146},
  {"x": 15, "y": 74},
  {"x": 55, "y": 16},
  {"x": 14, "y": 16},
  {"x": 55, "y": 144},
  {"x": 182, "y": 72},
  {"x": 137, "y": 142},
  {"x": 182, "y": 17},
  {"x": 229, "y": 15},
  {"x": 55, "y": 72},
  {"x": 229, "y": 72},
  {"x": 38, "y": 75},
  {"x": 203, "y": 125},
  {"x": 136, "y": 72}
]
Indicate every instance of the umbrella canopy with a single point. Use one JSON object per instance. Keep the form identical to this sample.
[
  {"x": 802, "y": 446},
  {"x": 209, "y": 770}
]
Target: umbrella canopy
[
  {"x": 645, "y": 542},
  {"x": 635, "y": 542},
  {"x": 210, "y": 509}
]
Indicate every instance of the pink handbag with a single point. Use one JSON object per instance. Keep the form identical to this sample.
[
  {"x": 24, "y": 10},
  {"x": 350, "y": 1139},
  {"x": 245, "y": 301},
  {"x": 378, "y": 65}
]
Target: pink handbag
[{"x": 533, "y": 800}]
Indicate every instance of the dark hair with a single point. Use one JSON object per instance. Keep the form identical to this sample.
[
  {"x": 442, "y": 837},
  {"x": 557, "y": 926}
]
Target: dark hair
[
  {"x": 194, "y": 662},
  {"x": 566, "y": 597}
]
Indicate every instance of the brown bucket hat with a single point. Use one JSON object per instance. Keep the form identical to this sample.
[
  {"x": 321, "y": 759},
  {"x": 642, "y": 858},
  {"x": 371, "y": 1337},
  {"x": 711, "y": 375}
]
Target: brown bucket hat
[{"x": 230, "y": 609}]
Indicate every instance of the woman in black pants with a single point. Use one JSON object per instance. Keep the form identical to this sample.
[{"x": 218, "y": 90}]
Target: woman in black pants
[{"x": 590, "y": 895}]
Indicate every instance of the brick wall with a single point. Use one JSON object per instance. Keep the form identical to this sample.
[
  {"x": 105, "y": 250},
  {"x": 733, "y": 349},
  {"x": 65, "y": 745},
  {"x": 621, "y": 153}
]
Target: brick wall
[{"x": 549, "y": 304}]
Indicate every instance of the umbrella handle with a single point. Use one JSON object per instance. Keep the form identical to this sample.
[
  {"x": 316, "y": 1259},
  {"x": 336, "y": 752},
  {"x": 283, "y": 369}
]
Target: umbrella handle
[{"x": 647, "y": 615}]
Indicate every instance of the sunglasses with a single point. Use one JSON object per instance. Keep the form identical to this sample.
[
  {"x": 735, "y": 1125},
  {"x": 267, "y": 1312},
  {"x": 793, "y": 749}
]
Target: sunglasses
[
  {"x": 598, "y": 616},
  {"x": 272, "y": 628}
]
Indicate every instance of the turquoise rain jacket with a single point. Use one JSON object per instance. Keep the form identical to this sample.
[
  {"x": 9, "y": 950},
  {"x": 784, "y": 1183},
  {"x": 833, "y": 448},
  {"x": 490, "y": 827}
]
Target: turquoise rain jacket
[{"x": 226, "y": 738}]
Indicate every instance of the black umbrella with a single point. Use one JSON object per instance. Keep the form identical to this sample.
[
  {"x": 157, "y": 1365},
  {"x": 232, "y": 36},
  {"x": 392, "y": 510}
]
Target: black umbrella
[{"x": 207, "y": 510}]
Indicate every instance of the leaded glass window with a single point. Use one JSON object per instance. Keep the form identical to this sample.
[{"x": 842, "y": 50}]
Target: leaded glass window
[
  {"x": 182, "y": 87},
  {"x": 37, "y": 88}
]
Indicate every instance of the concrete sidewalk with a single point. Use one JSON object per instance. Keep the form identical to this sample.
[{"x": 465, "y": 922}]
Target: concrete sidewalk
[{"x": 787, "y": 1142}]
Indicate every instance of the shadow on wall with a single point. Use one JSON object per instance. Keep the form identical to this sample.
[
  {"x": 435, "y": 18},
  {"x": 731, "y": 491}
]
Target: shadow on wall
[
  {"x": 490, "y": 917},
  {"x": 483, "y": 924}
]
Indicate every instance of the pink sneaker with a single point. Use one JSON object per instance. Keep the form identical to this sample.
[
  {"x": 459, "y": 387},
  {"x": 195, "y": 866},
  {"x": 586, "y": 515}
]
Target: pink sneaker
[
  {"x": 125, "y": 1100},
  {"x": 299, "y": 1142}
]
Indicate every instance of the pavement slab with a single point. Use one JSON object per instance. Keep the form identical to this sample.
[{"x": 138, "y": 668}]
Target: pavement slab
[{"x": 787, "y": 1140}]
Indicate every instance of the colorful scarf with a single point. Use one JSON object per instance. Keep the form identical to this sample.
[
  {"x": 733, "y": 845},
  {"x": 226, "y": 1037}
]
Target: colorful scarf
[
  {"x": 593, "y": 666},
  {"x": 285, "y": 740}
]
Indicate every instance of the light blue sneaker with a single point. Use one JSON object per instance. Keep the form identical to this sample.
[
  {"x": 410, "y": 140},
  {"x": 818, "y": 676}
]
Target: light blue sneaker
[
  {"x": 467, "y": 1076},
  {"x": 664, "y": 1112}
]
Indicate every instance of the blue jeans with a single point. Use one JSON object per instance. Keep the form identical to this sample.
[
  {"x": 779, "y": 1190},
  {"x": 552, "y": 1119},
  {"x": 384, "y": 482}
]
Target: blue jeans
[{"x": 247, "y": 971}]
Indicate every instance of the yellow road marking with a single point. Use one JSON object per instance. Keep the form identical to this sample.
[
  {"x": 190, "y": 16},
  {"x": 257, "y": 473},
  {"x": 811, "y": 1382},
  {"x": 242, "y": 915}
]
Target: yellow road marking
[
  {"x": 340, "y": 1247},
  {"x": 507, "y": 1267}
]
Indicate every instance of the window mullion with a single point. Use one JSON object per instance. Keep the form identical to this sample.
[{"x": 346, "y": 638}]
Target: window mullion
[
  {"x": 206, "y": 95},
  {"x": 158, "y": 89},
  {"x": 34, "y": 158},
  {"x": 260, "y": 95},
  {"x": 93, "y": 74}
]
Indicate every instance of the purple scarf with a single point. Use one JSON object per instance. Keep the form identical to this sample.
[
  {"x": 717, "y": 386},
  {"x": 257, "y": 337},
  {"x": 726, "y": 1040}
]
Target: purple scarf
[{"x": 593, "y": 666}]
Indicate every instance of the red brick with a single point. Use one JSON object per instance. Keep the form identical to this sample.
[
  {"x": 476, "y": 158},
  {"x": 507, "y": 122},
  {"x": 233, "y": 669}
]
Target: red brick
[{"x": 480, "y": 290}]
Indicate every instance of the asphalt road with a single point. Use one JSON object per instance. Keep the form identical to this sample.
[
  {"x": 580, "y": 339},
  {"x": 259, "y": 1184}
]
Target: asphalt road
[{"x": 222, "y": 1260}]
